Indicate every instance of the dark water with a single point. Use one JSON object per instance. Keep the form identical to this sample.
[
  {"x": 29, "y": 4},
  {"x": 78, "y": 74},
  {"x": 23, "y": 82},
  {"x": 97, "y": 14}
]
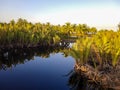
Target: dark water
[
  {"x": 46, "y": 68},
  {"x": 39, "y": 69}
]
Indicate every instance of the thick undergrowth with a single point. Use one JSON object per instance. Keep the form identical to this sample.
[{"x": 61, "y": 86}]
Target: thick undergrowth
[
  {"x": 22, "y": 33},
  {"x": 98, "y": 58}
]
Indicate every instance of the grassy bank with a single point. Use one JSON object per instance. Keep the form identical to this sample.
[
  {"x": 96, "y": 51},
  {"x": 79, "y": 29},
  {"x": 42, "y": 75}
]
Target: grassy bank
[{"x": 98, "y": 58}]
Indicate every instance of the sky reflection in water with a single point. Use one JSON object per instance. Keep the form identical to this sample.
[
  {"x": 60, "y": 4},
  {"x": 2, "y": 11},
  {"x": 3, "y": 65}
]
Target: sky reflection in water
[{"x": 38, "y": 74}]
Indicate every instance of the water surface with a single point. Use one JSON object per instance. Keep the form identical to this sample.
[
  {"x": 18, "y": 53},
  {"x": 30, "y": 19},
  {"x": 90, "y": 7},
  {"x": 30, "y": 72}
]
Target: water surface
[{"x": 40, "y": 71}]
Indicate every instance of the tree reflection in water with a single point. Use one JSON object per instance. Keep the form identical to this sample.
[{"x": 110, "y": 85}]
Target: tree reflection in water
[{"x": 10, "y": 58}]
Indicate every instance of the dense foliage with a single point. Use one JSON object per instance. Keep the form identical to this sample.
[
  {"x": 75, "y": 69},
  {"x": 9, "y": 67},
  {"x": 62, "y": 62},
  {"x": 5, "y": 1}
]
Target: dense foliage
[
  {"x": 23, "y": 33},
  {"x": 102, "y": 48},
  {"x": 98, "y": 58}
]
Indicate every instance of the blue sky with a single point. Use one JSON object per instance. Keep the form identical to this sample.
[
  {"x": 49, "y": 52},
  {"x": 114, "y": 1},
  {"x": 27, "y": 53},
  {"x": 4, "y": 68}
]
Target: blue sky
[{"x": 99, "y": 13}]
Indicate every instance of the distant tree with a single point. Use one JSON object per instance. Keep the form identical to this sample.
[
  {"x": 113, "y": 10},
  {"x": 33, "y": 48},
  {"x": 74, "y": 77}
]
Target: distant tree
[
  {"x": 93, "y": 30},
  {"x": 119, "y": 26},
  {"x": 85, "y": 28},
  {"x": 12, "y": 22},
  {"x": 12, "y": 25}
]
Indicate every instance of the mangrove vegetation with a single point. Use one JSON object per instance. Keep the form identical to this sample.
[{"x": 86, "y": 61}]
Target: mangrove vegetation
[
  {"x": 96, "y": 53},
  {"x": 98, "y": 58},
  {"x": 21, "y": 33}
]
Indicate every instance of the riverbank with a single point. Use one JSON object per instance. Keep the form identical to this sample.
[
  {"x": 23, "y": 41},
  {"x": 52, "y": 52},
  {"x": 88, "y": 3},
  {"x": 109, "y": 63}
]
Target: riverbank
[
  {"x": 107, "y": 77},
  {"x": 98, "y": 58}
]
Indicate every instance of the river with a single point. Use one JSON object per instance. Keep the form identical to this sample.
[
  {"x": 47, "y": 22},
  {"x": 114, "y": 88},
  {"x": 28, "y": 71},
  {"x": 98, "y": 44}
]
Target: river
[{"x": 41, "y": 69}]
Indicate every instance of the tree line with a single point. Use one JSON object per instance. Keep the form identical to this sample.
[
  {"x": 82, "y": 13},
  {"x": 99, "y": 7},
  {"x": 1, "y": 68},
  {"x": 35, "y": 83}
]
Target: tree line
[{"x": 22, "y": 33}]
